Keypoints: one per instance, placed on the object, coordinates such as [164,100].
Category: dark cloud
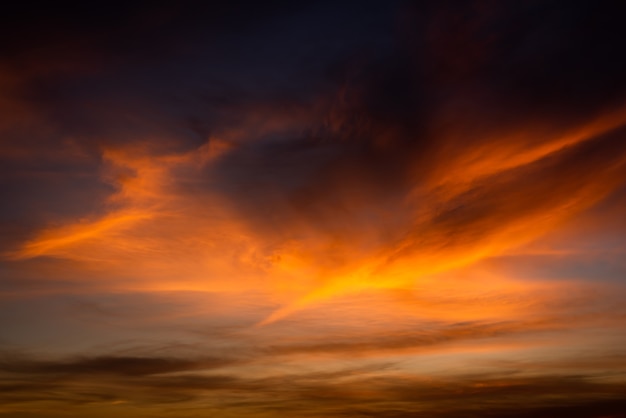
[485,67]
[349,392]
[458,76]
[116,366]
[79,79]
[424,339]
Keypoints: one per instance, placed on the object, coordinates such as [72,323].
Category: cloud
[114,366]
[421,204]
[425,159]
[350,392]
[426,340]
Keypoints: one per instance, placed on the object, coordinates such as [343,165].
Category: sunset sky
[316,209]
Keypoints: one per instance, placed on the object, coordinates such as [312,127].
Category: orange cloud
[486,202]
[481,207]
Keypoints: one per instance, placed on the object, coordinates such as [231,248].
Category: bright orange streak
[510,150]
[52,241]
[140,182]
[428,251]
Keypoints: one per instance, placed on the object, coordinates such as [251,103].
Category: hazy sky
[313,209]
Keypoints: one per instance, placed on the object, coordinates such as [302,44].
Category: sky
[313,209]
